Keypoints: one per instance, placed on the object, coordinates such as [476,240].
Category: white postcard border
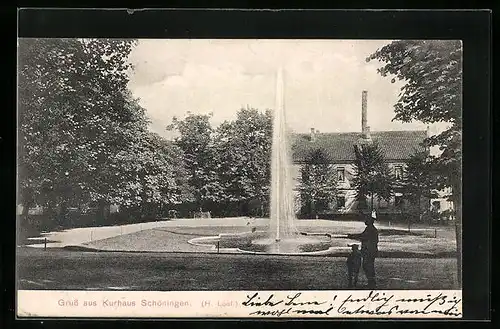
[385,304]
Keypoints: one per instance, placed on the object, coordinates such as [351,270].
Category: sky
[323,82]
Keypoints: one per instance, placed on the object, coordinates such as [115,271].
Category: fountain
[282,221]
[282,235]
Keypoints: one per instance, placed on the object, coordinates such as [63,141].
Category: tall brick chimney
[365,129]
[313,134]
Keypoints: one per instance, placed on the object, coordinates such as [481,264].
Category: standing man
[369,249]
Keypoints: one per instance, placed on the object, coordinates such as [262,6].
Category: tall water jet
[282,236]
[282,221]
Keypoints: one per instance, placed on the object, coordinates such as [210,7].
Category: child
[353,265]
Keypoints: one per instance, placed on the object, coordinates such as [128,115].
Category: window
[340,174]
[340,201]
[398,172]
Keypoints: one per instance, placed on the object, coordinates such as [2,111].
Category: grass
[174,238]
[64,270]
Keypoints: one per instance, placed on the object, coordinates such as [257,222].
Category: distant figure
[251,223]
[353,265]
[369,249]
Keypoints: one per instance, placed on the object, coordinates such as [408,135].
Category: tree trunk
[24,222]
[458,235]
[62,217]
[24,212]
[103,211]
[409,220]
[27,201]
[419,210]
[143,208]
[51,222]
[26,204]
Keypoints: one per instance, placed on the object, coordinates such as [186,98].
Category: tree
[372,176]
[73,118]
[317,182]
[151,176]
[418,182]
[432,72]
[243,156]
[195,140]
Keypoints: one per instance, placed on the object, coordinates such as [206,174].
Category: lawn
[72,270]
[174,237]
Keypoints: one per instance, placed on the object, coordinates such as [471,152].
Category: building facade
[397,147]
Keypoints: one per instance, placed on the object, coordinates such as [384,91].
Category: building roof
[339,147]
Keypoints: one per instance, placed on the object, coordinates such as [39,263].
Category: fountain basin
[228,240]
[260,243]
[295,244]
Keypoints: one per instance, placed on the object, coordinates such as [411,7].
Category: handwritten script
[358,304]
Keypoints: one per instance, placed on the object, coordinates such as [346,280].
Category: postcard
[239,178]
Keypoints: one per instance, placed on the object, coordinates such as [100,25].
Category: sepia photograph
[221,166]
